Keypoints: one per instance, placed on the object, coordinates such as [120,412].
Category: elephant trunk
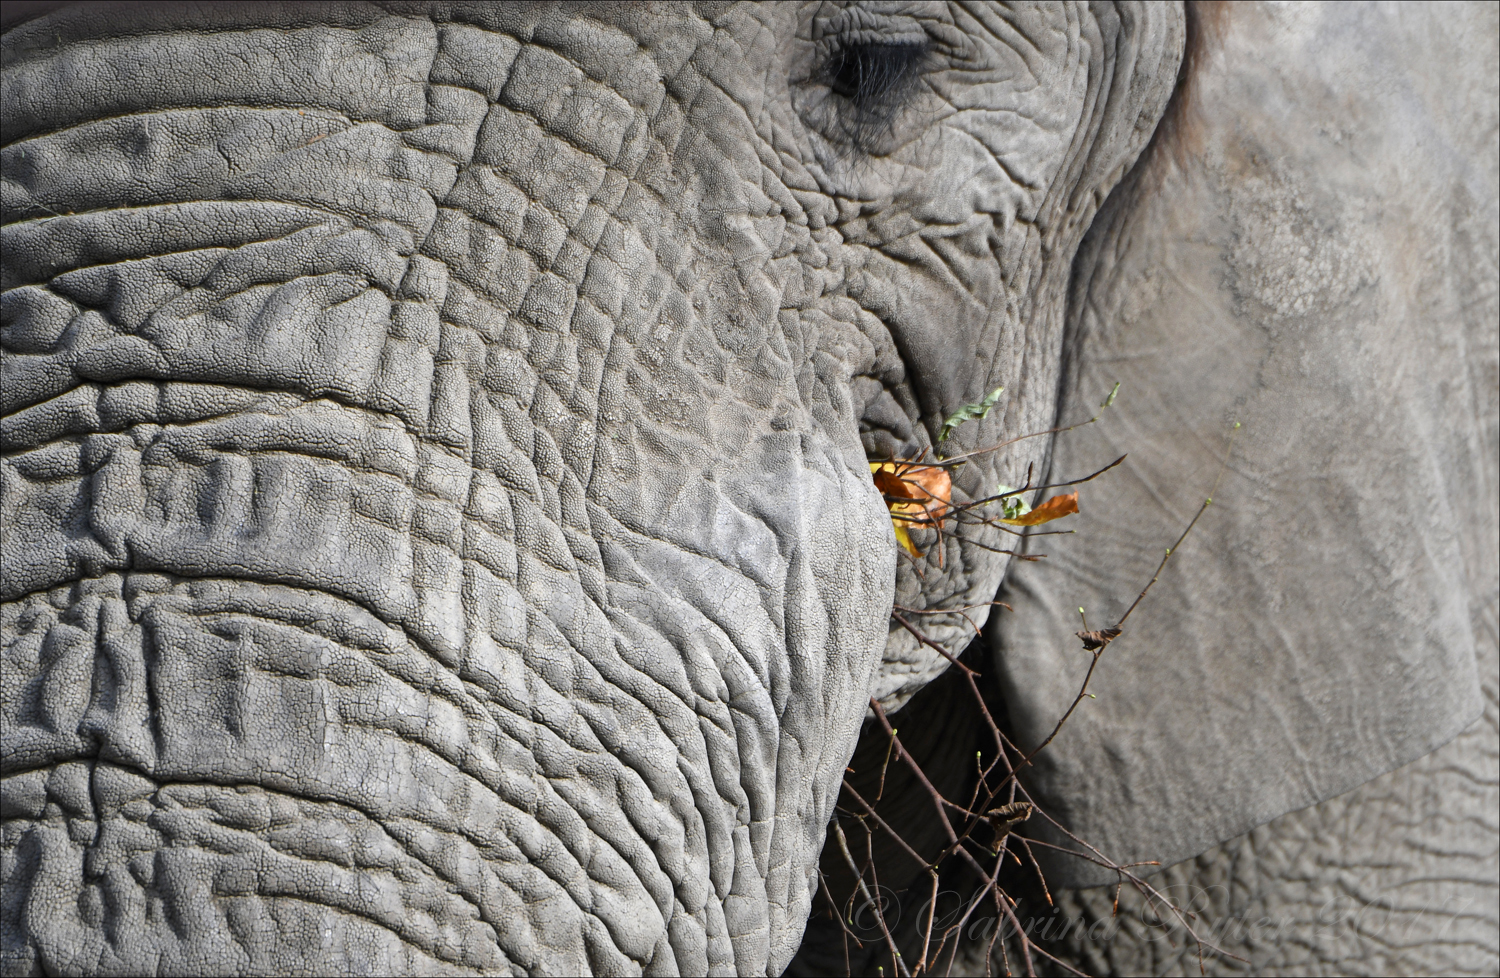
[398,578]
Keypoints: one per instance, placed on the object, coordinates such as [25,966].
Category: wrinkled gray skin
[1317,260]
[438,532]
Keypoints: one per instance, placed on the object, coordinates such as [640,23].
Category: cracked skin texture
[438,529]
[1312,251]
[435,458]
[1397,230]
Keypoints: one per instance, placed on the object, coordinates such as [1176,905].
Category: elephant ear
[19,11]
[1310,252]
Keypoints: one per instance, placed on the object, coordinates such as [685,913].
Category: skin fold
[439,532]
[435,470]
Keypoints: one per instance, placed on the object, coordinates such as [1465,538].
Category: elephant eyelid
[874,79]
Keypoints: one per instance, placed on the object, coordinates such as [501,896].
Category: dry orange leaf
[1054,508]
[917,495]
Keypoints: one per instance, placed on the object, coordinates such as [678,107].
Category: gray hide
[438,531]
[1316,261]
[1309,247]
[439,534]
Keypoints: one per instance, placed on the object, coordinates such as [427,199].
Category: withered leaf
[1054,508]
[1098,639]
[1007,817]
[921,493]
[904,538]
[917,495]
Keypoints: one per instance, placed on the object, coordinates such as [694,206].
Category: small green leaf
[1111,398]
[969,412]
[1015,506]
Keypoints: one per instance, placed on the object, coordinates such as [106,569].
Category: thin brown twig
[1001,550]
[1170,551]
[884,766]
[823,882]
[883,824]
[939,802]
[1026,844]
[859,880]
[1228,451]
[911,762]
[897,962]
[974,903]
[963,507]
[955,459]
[927,931]
[1145,888]
[1082,692]
[968,673]
[1010,915]
[950,611]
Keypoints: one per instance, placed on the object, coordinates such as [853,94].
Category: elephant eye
[874,79]
[875,74]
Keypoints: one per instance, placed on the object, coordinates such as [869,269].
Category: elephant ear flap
[1311,254]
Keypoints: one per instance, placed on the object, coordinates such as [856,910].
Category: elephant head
[439,526]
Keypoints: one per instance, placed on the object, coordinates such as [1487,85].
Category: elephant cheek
[311,740]
[311,661]
[323,650]
[366,607]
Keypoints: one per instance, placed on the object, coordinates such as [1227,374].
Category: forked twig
[859,879]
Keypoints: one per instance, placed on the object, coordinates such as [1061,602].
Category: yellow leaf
[904,538]
[1054,508]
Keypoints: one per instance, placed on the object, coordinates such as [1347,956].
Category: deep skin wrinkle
[445,431]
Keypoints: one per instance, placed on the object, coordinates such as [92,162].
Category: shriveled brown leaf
[1054,508]
[1098,639]
[917,495]
[1007,817]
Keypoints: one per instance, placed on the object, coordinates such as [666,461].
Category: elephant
[437,440]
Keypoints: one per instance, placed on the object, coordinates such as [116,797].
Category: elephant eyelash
[874,79]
